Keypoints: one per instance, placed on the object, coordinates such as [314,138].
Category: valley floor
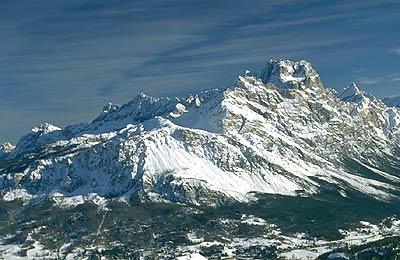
[274,227]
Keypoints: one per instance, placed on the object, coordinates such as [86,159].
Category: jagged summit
[6,148]
[352,93]
[282,133]
[349,91]
[288,74]
[45,128]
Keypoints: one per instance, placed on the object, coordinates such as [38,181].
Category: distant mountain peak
[349,91]
[352,93]
[45,128]
[353,87]
[6,148]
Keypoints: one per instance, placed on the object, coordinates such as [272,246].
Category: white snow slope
[281,133]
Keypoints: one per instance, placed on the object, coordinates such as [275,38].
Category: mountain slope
[282,133]
[392,101]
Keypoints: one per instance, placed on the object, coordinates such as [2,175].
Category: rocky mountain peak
[289,74]
[6,148]
[45,128]
[352,93]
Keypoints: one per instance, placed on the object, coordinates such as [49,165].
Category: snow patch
[194,256]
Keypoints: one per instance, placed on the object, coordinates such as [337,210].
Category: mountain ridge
[281,133]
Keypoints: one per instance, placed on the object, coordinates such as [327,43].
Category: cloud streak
[395,51]
[382,79]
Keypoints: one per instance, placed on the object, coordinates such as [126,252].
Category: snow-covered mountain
[392,101]
[353,94]
[281,133]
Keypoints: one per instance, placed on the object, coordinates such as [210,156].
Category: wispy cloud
[369,81]
[75,55]
[395,51]
[360,70]
[382,79]
[395,79]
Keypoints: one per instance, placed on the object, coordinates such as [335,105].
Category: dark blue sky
[62,60]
